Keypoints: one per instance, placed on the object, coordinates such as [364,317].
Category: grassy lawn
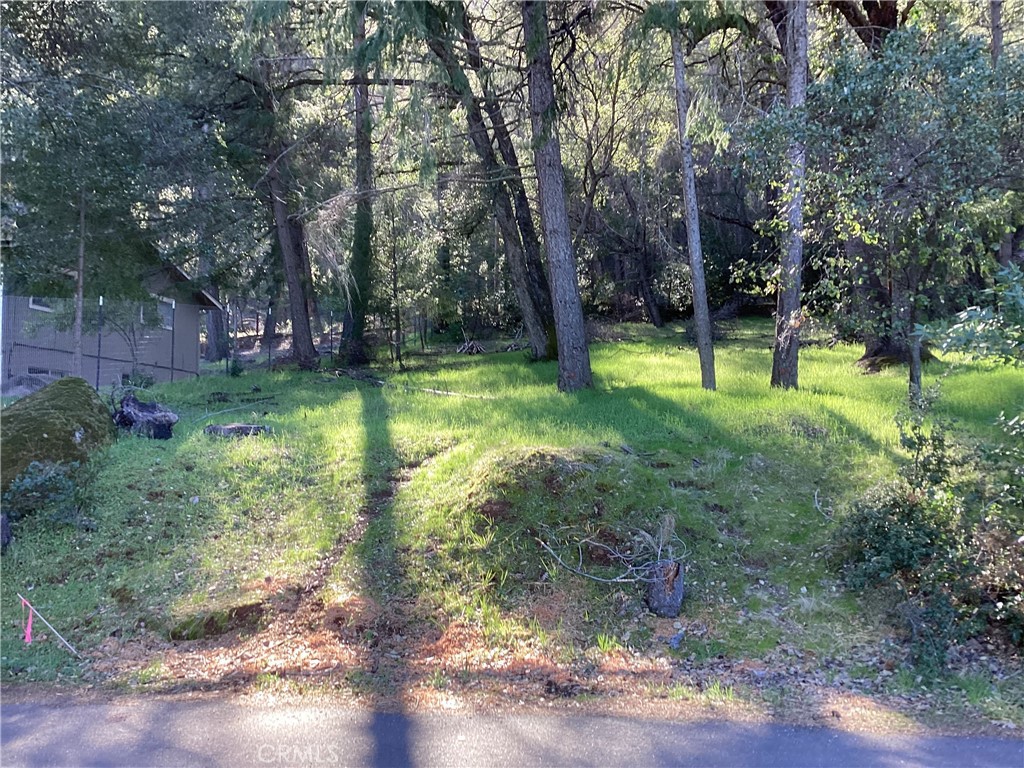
[439,492]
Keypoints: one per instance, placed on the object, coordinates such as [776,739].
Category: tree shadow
[383,575]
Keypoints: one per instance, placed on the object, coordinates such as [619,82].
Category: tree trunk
[1005,254]
[872,22]
[216,330]
[274,282]
[303,351]
[789,316]
[396,308]
[534,273]
[270,323]
[216,324]
[525,281]
[647,286]
[701,313]
[312,305]
[914,340]
[354,327]
[76,328]
[996,25]
[573,355]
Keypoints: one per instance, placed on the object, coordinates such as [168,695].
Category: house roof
[179,277]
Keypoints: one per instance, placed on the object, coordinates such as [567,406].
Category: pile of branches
[634,561]
[471,348]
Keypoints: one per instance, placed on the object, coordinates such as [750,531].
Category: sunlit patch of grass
[712,693]
[154,672]
[716,693]
[976,694]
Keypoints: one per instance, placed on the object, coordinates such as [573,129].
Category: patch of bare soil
[360,653]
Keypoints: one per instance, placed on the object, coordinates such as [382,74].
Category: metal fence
[143,341]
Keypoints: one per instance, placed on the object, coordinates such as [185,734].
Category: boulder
[147,419]
[63,422]
[665,589]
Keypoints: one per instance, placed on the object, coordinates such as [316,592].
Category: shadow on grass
[382,572]
[643,420]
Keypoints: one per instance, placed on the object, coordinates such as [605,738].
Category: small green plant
[138,379]
[154,672]
[235,368]
[267,681]
[717,693]
[438,680]
[607,643]
[976,688]
[681,692]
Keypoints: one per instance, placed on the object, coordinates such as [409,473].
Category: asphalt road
[149,732]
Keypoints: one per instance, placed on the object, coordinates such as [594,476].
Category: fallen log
[236,430]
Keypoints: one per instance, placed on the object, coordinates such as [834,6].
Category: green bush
[896,531]
[54,488]
[998,538]
[946,537]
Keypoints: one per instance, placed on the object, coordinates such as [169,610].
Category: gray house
[157,338]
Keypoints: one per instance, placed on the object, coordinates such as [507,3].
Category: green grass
[754,478]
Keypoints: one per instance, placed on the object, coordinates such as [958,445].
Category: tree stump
[147,419]
[665,589]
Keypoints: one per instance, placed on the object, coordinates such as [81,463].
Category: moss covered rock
[65,421]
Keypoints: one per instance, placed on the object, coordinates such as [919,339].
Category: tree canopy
[457,167]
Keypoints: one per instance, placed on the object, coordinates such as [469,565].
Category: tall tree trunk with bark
[396,306]
[76,328]
[915,356]
[312,305]
[354,327]
[573,355]
[701,313]
[214,319]
[216,330]
[216,323]
[534,272]
[275,281]
[872,21]
[521,243]
[303,351]
[996,24]
[785,356]
[646,280]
